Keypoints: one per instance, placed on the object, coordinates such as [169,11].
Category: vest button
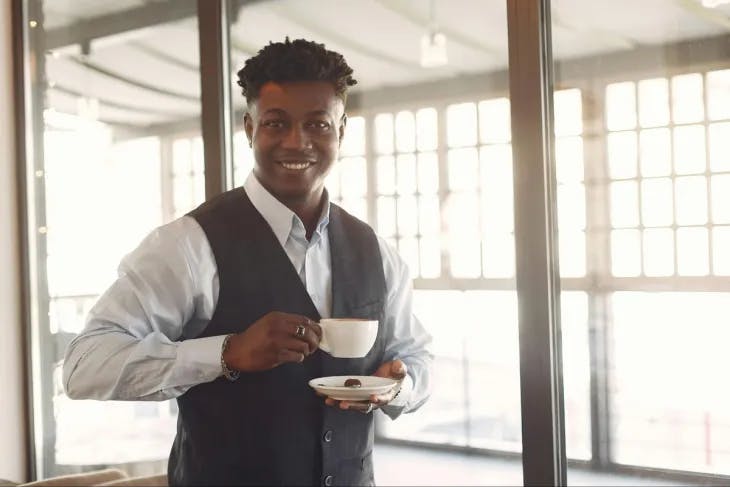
[328,436]
[329,480]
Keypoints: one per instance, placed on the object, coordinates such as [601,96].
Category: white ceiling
[379,38]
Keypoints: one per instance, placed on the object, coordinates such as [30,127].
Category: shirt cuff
[201,357]
[406,388]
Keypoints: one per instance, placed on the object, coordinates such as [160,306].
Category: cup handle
[323,342]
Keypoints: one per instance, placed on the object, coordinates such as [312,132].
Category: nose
[296,138]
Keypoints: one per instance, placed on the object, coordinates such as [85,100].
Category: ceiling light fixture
[433,43]
[714,3]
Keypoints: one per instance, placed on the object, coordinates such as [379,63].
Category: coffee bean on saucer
[355,383]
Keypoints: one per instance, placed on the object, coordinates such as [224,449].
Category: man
[220,307]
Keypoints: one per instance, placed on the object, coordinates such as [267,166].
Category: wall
[13,445]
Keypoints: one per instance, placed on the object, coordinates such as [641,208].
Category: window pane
[386,175]
[720,146]
[181,157]
[332,182]
[658,252]
[407,216]
[568,112]
[572,248]
[692,252]
[463,230]
[494,121]
[198,157]
[386,216]
[498,255]
[721,198]
[652,422]
[689,149]
[428,173]
[461,124]
[353,143]
[408,249]
[653,102]
[656,152]
[571,207]
[624,204]
[497,189]
[405,132]
[357,207]
[569,159]
[406,166]
[625,253]
[427,129]
[718,94]
[574,326]
[687,102]
[690,200]
[429,216]
[384,133]
[656,202]
[622,155]
[430,258]
[721,251]
[353,179]
[620,106]
[463,169]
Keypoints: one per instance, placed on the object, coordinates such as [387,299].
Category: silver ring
[300,330]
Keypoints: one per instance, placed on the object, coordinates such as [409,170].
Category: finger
[382,399]
[398,369]
[330,402]
[310,335]
[294,344]
[286,355]
[357,405]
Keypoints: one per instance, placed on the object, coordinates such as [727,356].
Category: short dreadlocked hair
[298,60]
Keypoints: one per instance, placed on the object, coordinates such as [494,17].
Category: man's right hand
[272,341]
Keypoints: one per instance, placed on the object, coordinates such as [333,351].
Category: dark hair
[298,60]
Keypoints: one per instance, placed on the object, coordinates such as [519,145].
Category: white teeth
[296,165]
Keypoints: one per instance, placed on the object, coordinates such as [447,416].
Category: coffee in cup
[348,337]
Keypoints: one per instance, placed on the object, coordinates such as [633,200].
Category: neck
[308,210]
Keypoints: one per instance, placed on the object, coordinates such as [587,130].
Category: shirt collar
[280,218]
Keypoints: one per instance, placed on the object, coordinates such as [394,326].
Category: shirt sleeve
[406,338]
[166,290]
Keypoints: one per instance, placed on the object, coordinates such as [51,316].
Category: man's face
[295,129]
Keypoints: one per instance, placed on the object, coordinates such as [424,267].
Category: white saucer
[334,387]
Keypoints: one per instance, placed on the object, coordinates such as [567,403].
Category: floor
[402,465]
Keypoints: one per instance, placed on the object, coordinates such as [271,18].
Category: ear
[248,127]
[343,124]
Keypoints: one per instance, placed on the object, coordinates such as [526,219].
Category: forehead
[299,97]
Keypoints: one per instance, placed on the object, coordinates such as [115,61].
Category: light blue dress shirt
[167,289]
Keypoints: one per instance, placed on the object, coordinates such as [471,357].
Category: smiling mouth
[295,165]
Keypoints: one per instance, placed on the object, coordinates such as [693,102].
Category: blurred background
[642,154]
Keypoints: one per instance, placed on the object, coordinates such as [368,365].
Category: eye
[319,125]
[273,123]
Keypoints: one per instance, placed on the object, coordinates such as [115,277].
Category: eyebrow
[279,111]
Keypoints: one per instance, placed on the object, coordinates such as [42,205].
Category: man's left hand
[396,370]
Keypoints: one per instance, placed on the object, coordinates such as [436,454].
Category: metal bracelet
[229,374]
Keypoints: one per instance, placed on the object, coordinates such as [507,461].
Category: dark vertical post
[538,284]
[30,87]
[215,84]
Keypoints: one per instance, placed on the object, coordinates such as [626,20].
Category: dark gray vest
[269,428]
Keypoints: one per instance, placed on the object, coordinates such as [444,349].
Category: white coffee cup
[348,337]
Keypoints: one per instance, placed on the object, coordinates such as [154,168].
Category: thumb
[398,369]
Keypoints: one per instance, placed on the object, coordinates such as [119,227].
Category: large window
[105,169]
[642,166]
